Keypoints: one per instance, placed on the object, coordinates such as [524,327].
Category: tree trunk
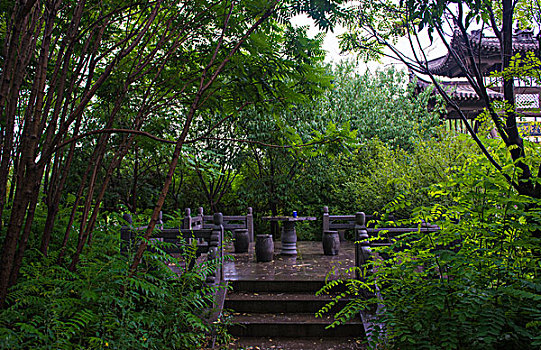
[525,184]
[55,192]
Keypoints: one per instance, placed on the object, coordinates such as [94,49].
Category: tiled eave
[487,47]
[459,90]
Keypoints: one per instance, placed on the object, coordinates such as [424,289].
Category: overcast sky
[330,44]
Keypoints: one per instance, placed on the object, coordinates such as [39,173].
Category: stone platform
[309,264]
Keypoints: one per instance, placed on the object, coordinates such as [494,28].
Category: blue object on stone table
[294,213]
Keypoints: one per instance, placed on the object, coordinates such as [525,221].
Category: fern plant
[99,307]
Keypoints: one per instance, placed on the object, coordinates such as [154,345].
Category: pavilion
[487,51]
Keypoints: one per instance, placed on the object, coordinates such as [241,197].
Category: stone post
[250,224]
[128,218]
[326,221]
[159,223]
[215,254]
[362,245]
[200,215]
[187,223]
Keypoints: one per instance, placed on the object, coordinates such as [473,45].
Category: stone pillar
[159,223]
[362,245]
[128,218]
[200,218]
[289,238]
[250,224]
[326,221]
[215,254]
[187,223]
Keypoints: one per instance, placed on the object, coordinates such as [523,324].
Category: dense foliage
[475,284]
[86,86]
[329,135]
[383,104]
[375,27]
[380,173]
[277,160]
[142,106]
[123,94]
[99,306]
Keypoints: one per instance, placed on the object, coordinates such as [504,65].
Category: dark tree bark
[40,130]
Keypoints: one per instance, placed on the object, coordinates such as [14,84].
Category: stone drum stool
[241,240]
[264,248]
[331,243]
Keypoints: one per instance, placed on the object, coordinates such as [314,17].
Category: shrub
[379,173]
[473,285]
[99,307]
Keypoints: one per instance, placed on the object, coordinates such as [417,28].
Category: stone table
[289,236]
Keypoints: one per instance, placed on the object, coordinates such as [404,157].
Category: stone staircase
[280,314]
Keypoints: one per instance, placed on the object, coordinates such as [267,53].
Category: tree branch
[171,142]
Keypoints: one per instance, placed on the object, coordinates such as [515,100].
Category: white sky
[330,44]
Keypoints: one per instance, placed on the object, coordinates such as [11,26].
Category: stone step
[277,286]
[299,325]
[312,343]
[264,302]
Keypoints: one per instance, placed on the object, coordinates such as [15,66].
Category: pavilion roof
[484,46]
[458,90]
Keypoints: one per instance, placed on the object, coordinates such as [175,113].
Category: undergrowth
[100,307]
[475,284]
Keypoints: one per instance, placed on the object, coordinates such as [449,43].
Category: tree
[377,25]
[106,72]
[357,108]
[431,287]
[380,104]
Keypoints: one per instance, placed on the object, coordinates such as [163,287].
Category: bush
[473,285]
[99,307]
[379,173]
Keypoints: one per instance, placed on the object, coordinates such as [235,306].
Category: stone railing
[209,241]
[230,222]
[363,243]
[339,222]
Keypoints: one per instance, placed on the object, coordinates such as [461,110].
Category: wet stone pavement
[309,264]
